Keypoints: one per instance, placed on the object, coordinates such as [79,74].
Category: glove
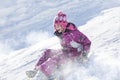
[84,53]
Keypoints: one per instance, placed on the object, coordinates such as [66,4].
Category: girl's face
[59,28]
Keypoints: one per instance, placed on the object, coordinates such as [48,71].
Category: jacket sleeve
[85,42]
[82,39]
[76,39]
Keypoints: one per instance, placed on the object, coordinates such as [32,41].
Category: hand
[84,53]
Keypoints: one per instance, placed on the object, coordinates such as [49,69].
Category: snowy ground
[103,31]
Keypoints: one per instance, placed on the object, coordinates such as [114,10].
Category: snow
[103,30]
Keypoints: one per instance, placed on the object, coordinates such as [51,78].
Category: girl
[74,45]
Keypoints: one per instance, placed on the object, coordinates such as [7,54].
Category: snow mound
[103,64]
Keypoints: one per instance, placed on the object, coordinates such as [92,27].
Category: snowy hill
[103,31]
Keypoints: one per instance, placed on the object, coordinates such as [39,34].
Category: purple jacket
[73,42]
[77,37]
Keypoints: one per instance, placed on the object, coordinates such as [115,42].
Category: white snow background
[26,29]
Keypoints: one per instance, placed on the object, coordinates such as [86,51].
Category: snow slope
[103,31]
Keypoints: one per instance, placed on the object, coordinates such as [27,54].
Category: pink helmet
[60,19]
